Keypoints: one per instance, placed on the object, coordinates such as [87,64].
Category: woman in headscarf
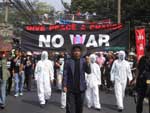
[44,74]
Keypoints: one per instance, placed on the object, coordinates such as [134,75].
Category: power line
[22,12]
[32,10]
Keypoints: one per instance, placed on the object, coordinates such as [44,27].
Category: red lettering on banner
[63,27]
[35,28]
[140,42]
[83,27]
[72,27]
[98,26]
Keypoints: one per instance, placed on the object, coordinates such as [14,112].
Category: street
[29,104]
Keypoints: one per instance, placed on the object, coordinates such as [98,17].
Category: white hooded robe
[120,72]
[93,82]
[44,73]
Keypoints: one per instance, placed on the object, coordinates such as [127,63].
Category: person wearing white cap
[120,72]
[44,73]
[93,81]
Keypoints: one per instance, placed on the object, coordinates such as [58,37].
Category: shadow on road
[110,106]
[34,103]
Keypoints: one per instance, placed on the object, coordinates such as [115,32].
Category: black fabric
[144,75]
[77,76]
[28,81]
[139,106]
[15,65]
[75,102]
[142,88]
[9,83]
[28,68]
[118,38]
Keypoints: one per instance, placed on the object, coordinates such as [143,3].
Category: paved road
[29,104]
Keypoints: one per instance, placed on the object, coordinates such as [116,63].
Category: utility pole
[6,11]
[119,12]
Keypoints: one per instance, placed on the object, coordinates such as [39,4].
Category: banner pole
[129,37]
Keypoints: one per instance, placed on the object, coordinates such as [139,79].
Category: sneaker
[42,105]
[97,109]
[2,107]
[46,101]
[89,107]
[16,95]
[120,110]
[63,107]
[21,94]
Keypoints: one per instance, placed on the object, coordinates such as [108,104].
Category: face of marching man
[76,53]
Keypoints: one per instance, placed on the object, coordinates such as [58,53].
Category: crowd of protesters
[109,70]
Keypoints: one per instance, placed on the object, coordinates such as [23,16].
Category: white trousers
[119,93]
[44,92]
[92,97]
[59,81]
[63,99]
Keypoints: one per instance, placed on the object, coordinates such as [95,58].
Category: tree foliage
[108,8]
[42,8]
[83,5]
[17,17]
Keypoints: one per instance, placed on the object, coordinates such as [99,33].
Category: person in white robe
[44,76]
[93,82]
[120,74]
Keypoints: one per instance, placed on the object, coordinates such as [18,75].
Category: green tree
[83,5]
[66,5]
[42,8]
[103,8]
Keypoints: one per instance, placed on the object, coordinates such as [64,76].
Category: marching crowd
[75,75]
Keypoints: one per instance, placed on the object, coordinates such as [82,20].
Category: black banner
[62,37]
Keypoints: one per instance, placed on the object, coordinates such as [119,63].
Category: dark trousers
[139,106]
[9,84]
[75,102]
[28,81]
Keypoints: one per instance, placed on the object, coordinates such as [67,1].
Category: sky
[55,3]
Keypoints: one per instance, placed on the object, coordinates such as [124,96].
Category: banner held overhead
[61,37]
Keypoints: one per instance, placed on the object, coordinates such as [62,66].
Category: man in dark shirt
[74,83]
[77,76]
[141,81]
[18,73]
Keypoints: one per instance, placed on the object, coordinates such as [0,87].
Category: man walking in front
[74,83]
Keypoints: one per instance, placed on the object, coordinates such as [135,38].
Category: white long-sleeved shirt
[121,71]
